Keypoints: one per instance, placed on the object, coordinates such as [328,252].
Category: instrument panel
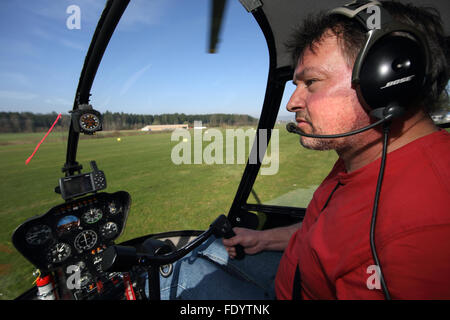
[72,236]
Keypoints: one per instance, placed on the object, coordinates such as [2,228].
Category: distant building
[164,127]
[198,125]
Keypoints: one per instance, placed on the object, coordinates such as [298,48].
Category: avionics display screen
[77,185]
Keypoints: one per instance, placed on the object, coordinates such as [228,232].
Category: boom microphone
[384,114]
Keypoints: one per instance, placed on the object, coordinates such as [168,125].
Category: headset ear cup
[392,71]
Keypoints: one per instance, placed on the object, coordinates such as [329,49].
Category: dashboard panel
[72,236]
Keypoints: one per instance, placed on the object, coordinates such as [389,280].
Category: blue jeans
[207,273]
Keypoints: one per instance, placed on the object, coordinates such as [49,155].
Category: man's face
[324,101]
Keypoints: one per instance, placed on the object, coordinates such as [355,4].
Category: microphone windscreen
[291,127]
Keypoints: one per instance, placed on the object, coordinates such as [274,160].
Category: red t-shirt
[412,235]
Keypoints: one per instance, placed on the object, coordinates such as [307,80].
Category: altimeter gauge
[59,252]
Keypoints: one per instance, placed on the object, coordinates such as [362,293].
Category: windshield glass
[155,76]
[178,179]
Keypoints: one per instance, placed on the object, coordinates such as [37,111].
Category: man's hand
[254,241]
[249,239]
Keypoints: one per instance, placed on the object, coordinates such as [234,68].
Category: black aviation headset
[389,73]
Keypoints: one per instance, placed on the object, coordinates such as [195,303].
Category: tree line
[11,122]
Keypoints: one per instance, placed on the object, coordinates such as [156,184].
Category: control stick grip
[240,253]
[221,227]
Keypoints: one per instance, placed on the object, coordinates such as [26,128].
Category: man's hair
[351,37]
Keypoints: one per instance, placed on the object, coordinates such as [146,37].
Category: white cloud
[60,102]
[15,78]
[56,10]
[58,37]
[41,33]
[72,44]
[19,47]
[17,95]
[138,12]
[144,12]
[132,80]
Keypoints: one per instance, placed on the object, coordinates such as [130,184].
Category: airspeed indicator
[92,215]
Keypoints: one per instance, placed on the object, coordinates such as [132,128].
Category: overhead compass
[86,120]
[89,122]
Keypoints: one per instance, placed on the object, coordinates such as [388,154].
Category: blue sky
[157,60]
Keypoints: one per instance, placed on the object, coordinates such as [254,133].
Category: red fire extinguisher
[46,288]
[129,292]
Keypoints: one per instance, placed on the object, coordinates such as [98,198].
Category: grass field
[165,196]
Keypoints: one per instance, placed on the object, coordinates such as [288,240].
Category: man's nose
[297,100]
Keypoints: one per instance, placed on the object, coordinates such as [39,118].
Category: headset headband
[356,10]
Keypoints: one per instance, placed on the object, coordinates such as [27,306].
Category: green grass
[165,196]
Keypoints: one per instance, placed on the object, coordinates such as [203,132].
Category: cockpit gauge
[90,122]
[109,230]
[86,120]
[80,266]
[59,252]
[113,209]
[85,240]
[85,280]
[91,216]
[38,234]
[67,223]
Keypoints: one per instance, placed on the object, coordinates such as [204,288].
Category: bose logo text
[396,82]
